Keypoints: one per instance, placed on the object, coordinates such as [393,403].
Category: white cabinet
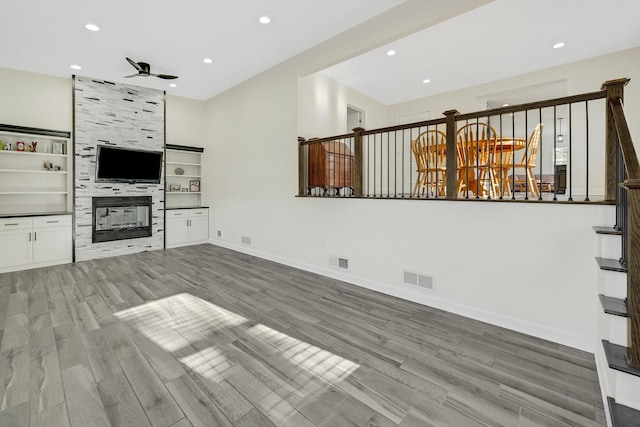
[36,179]
[183,176]
[187,227]
[30,242]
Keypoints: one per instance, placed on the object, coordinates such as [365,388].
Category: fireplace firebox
[119,218]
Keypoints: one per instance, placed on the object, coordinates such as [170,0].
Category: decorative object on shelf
[175,187]
[57,168]
[48,166]
[8,146]
[20,146]
[185,190]
[57,148]
[33,146]
[1,145]
[194,186]
[179,171]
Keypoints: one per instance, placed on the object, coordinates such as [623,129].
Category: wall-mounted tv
[115,164]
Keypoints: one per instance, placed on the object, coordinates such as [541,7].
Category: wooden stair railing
[618,133]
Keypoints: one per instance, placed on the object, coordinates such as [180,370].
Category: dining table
[486,161]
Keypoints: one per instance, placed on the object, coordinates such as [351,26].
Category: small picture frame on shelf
[185,190]
[194,186]
[174,187]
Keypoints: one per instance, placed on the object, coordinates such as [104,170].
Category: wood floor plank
[53,416]
[15,416]
[120,402]
[14,377]
[46,389]
[203,335]
[156,401]
[82,398]
[16,332]
[278,410]
[254,418]
[197,406]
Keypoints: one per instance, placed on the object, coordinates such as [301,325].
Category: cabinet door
[199,229]
[177,232]
[51,244]
[15,248]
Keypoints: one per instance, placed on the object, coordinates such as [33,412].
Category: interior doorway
[355,118]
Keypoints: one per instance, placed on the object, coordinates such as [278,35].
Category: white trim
[580,342]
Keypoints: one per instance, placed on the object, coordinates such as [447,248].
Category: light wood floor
[205,336]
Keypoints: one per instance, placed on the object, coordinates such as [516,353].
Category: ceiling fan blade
[165,76]
[133,75]
[135,64]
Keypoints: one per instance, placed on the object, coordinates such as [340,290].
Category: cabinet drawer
[198,212]
[182,213]
[15,223]
[52,221]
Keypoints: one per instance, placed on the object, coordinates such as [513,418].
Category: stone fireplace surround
[118,115]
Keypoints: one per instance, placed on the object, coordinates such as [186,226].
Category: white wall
[527,267]
[35,100]
[323,107]
[185,121]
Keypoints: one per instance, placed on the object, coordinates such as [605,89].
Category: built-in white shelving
[34,180]
[183,176]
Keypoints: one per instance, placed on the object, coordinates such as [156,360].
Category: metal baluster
[526,155]
[395,163]
[570,163]
[513,158]
[555,156]
[540,153]
[586,110]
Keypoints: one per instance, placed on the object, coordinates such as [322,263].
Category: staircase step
[611,264]
[607,230]
[623,416]
[617,358]
[615,306]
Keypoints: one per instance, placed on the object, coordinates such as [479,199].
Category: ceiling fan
[144,70]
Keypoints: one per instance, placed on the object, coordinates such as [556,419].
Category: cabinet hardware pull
[52,222]
[13,223]
[35,236]
[29,236]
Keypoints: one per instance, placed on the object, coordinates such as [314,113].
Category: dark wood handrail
[474,115]
[632,227]
[626,143]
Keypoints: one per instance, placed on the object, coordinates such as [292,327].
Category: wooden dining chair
[429,151]
[475,141]
[528,162]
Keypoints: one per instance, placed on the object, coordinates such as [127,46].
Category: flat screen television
[115,164]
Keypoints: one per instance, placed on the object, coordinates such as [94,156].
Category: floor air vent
[416,279]
[246,240]
[339,262]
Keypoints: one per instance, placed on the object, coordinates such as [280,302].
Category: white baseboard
[580,342]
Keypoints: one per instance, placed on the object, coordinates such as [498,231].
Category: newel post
[633,271]
[614,89]
[302,169]
[452,157]
[358,173]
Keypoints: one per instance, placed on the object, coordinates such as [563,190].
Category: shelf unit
[26,186]
[189,159]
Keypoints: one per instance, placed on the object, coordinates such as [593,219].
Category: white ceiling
[47,36]
[502,39]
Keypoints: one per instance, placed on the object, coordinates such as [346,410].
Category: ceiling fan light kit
[144,70]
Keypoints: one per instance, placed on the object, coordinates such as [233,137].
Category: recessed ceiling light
[264,19]
[76,67]
[92,27]
[207,60]
[558,45]
[505,105]
[391,52]
[426,81]
[173,85]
